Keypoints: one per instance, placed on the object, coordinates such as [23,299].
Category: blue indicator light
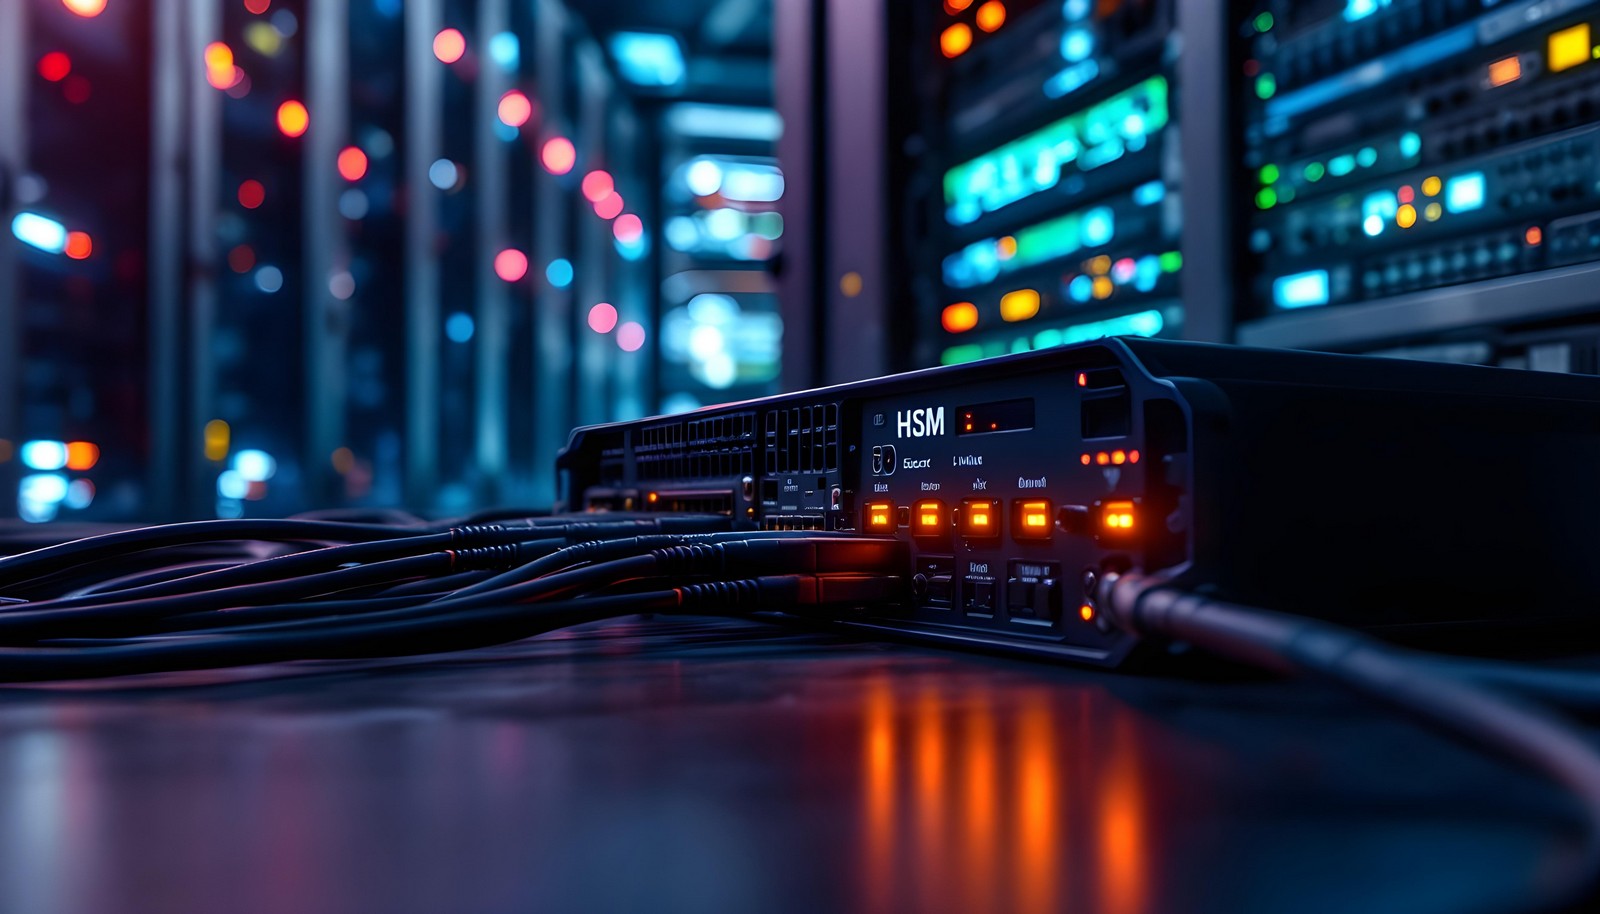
[45,234]
[648,58]
[1464,193]
[1076,45]
[559,272]
[459,327]
[1301,290]
[1150,193]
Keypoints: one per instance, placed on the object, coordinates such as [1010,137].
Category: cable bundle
[136,601]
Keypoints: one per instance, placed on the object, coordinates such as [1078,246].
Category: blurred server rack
[1045,176]
[1416,173]
[74,157]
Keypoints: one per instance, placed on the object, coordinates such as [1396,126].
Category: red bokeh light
[515,109]
[609,206]
[352,163]
[252,194]
[628,228]
[449,45]
[511,264]
[558,155]
[79,245]
[55,66]
[597,185]
[241,258]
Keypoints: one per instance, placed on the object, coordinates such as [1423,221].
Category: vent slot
[712,447]
[803,439]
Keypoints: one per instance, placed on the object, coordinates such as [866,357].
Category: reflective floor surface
[705,766]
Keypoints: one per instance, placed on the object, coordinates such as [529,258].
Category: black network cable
[1415,683]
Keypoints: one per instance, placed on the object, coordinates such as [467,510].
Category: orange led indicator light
[1118,515]
[1534,235]
[1083,379]
[1505,71]
[880,517]
[991,15]
[1085,459]
[1086,612]
[1119,457]
[1102,458]
[653,497]
[1033,520]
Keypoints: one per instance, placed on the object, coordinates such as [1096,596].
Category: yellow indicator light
[1117,516]
[217,439]
[1034,519]
[1505,71]
[1019,305]
[991,15]
[980,520]
[653,497]
[1119,457]
[1431,186]
[1568,47]
[1086,612]
[880,517]
[1008,247]
[1406,216]
[1100,265]
[1433,212]
[1102,287]
[955,40]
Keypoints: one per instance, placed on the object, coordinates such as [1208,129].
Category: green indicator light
[1368,156]
[956,355]
[1267,198]
[1266,86]
[1269,174]
[1263,22]
[1314,172]
[1171,262]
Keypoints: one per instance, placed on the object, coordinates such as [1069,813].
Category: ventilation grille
[713,447]
[803,439]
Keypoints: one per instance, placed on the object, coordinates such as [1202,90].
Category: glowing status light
[628,228]
[955,6]
[82,455]
[630,336]
[252,194]
[293,119]
[1150,193]
[1465,193]
[1269,174]
[220,71]
[79,245]
[459,327]
[603,318]
[1314,172]
[979,517]
[1568,48]
[1406,216]
[1033,519]
[1534,235]
[88,9]
[991,15]
[597,185]
[1339,166]
[515,109]
[1086,613]
[1098,226]
[443,174]
[1266,86]
[1118,458]
[1405,194]
[257,6]
[1077,45]
[1431,186]
[44,455]
[55,66]
[1361,9]
[1117,516]
[1262,22]
[44,233]
[609,206]
[880,517]
[217,438]
[558,155]
[1432,212]
[1301,290]
[928,518]
[1019,305]
[352,163]
[955,40]
[449,45]
[1505,70]
[559,273]
[959,317]
[254,465]
[1266,198]
[1410,147]
[648,58]
[511,264]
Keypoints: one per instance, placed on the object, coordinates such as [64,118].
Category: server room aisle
[684,765]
